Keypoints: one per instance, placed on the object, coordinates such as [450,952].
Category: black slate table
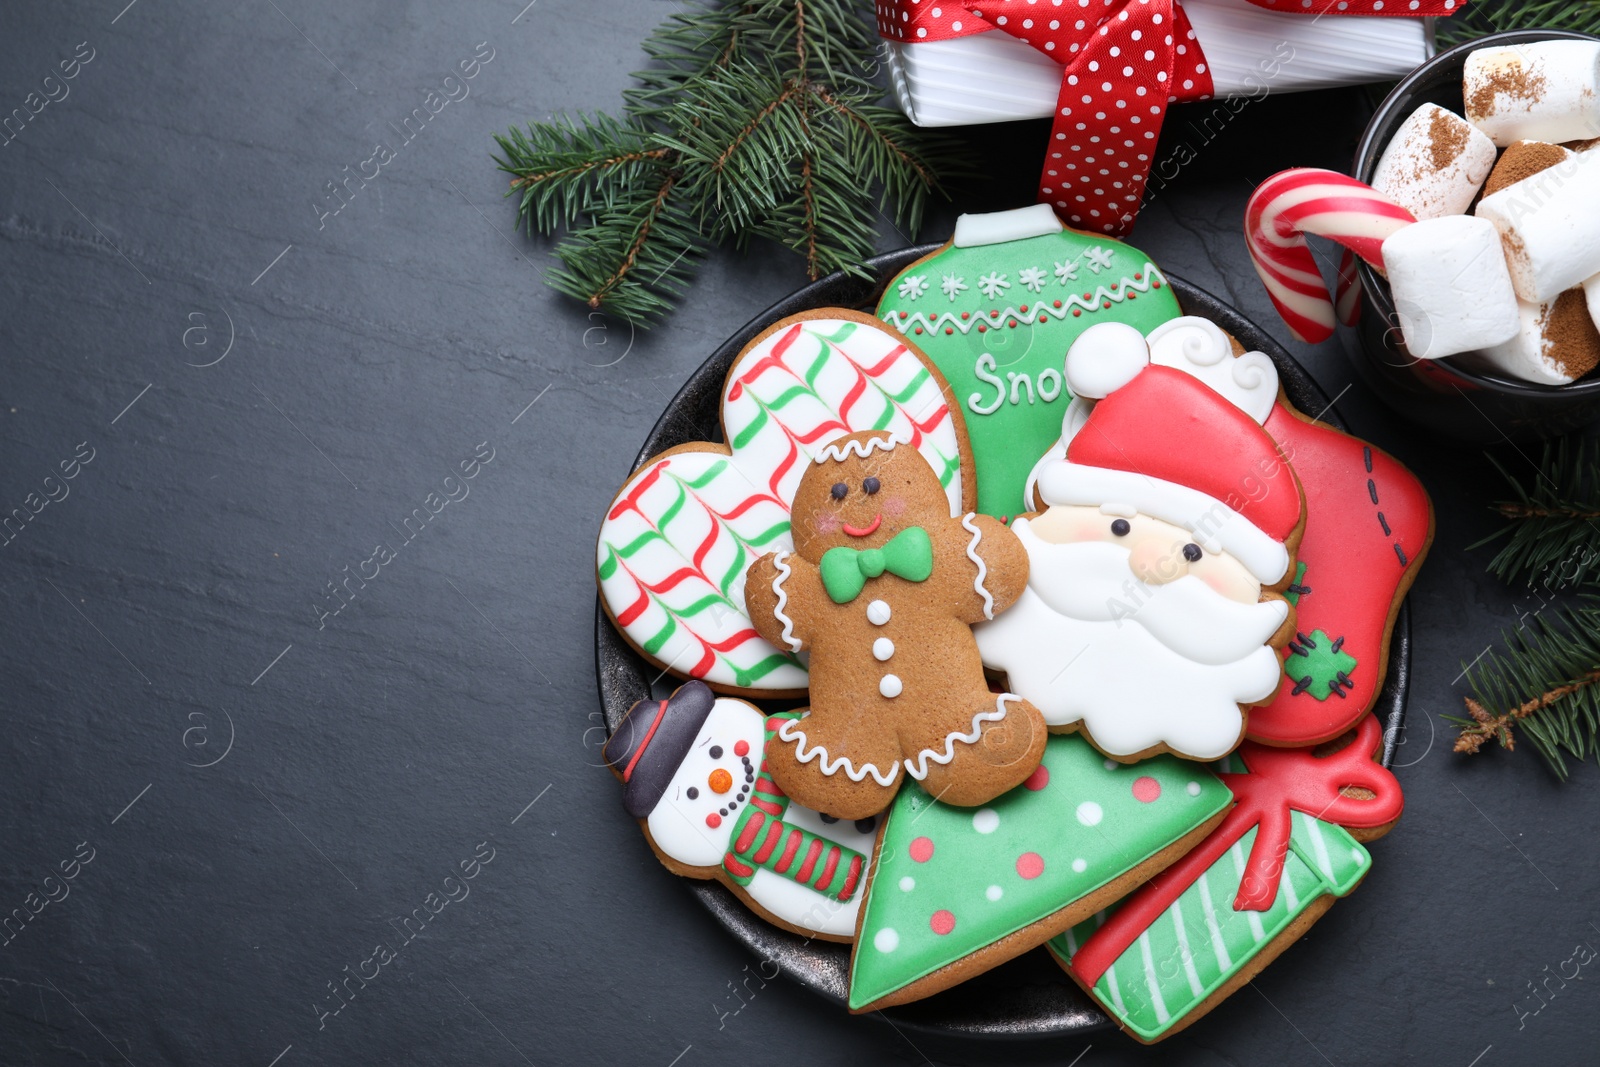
[257,768]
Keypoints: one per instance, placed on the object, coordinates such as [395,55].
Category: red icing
[942,922]
[741,748]
[1152,425]
[1030,865]
[1353,569]
[922,850]
[1280,781]
[809,864]
[1038,779]
[862,531]
[1146,789]
[713,820]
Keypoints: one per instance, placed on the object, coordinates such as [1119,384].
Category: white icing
[802,906]
[878,613]
[1080,865]
[1215,526]
[677,824]
[1084,644]
[907,884]
[986,821]
[998,227]
[1123,511]
[842,450]
[890,686]
[994,892]
[1040,311]
[791,732]
[1104,358]
[886,940]
[1089,813]
[917,766]
[970,526]
[882,649]
[1200,349]
[781,563]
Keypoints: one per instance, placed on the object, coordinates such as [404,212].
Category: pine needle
[1553,532]
[756,121]
[1480,19]
[1545,684]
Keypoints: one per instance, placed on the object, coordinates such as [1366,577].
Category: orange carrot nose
[720,781]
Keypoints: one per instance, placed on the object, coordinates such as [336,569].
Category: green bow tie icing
[845,571]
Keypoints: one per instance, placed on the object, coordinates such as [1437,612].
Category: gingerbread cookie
[882,589]
[1151,616]
[695,775]
[677,540]
[954,892]
[997,308]
[1175,949]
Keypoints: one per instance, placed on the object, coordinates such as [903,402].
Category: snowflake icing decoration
[1031,278]
[993,284]
[951,285]
[914,286]
[1066,272]
[1099,258]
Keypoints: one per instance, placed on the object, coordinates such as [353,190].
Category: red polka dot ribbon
[1125,61]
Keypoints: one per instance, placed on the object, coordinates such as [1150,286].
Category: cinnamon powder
[1518,84]
[1447,139]
[1522,160]
[1571,340]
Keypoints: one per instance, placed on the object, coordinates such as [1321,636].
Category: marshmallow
[1550,224]
[1591,291]
[1546,91]
[1523,160]
[1556,343]
[1434,164]
[1451,288]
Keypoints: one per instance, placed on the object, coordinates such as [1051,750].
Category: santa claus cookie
[695,775]
[1151,616]
[882,589]
[676,541]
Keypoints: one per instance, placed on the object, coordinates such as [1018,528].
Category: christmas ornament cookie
[694,774]
[954,892]
[997,308]
[678,538]
[882,589]
[1151,615]
[1212,920]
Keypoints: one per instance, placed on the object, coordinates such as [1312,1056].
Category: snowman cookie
[694,775]
[882,589]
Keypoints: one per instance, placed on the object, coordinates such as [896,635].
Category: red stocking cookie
[883,588]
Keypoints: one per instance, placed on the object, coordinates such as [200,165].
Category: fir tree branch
[1553,538]
[1483,17]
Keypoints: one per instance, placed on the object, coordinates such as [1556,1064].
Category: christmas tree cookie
[956,891]
[677,540]
[1210,922]
[996,310]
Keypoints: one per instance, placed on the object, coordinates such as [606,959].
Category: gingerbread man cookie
[882,589]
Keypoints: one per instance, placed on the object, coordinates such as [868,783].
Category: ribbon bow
[1125,60]
[1281,780]
[845,571]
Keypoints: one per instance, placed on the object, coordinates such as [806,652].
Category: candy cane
[1293,203]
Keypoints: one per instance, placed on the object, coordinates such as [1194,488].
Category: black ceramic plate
[1026,997]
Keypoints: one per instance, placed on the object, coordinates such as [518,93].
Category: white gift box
[994,77]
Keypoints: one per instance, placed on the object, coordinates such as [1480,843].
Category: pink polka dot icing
[1038,779]
[1146,789]
[1030,865]
[922,849]
[942,922]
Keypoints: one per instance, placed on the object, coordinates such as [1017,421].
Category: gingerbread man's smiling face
[861,491]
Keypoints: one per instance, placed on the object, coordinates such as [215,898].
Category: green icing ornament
[996,311]
[1319,665]
[1200,942]
[951,885]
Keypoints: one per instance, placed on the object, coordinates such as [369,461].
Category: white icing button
[886,940]
[1193,788]
[986,821]
[882,649]
[890,686]
[1112,764]
[1080,865]
[878,613]
[994,892]
[907,884]
[1089,813]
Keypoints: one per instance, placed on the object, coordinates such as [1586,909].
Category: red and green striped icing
[675,545]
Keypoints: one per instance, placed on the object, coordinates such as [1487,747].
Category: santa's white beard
[1140,665]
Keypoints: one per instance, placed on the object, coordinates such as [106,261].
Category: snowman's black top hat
[651,742]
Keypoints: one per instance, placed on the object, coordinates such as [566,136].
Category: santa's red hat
[1160,442]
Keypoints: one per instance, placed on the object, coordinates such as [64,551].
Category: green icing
[1201,942]
[1007,379]
[950,881]
[1319,665]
